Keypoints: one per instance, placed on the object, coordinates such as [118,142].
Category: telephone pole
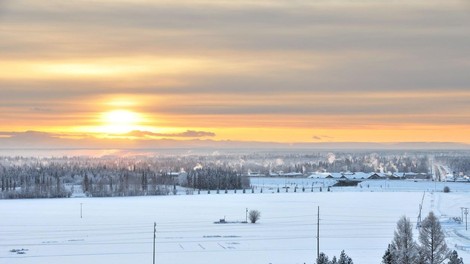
[461,210]
[318,233]
[154,236]
[418,224]
[81,207]
[466,215]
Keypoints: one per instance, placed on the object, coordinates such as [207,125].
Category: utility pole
[466,215]
[81,207]
[154,236]
[246,215]
[318,233]
[461,210]
[418,225]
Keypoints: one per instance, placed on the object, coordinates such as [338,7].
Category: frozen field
[120,230]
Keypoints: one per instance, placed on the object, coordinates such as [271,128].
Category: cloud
[39,135]
[30,134]
[187,133]
[322,137]
[41,109]
[302,61]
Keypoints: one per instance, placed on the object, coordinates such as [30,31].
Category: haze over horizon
[102,72]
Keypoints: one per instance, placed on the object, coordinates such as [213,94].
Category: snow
[360,220]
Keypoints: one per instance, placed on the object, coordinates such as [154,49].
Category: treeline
[339,162]
[32,186]
[216,178]
[375,163]
[343,259]
[107,177]
[457,163]
[127,183]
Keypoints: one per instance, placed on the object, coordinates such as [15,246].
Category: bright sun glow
[120,121]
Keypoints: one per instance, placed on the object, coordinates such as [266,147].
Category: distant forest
[26,177]
[47,178]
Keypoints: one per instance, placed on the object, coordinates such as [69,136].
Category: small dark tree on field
[254,216]
[454,258]
[446,189]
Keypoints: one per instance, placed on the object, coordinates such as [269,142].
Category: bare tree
[254,216]
[433,246]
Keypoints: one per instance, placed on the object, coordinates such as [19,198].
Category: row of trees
[32,186]
[128,183]
[339,162]
[215,178]
[52,178]
[431,249]
[343,259]
[457,163]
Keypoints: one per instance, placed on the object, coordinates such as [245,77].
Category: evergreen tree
[421,259]
[433,245]
[344,259]
[334,261]
[454,258]
[86,184]
[322,259]
[404,249]
[387,257]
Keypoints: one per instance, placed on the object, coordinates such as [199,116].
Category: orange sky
[277,71]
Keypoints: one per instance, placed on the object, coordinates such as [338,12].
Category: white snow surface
[360,220]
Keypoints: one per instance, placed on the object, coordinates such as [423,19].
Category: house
[375,176]
[293,174]
[320,175]
[181,176]
[255,174]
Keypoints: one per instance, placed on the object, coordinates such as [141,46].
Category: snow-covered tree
[433,246]
[387,257]
[454,258]
[404,249]
[323,259]
[333,260]
[344,259]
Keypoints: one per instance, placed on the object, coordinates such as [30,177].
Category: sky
[269,70]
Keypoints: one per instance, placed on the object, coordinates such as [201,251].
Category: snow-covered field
[360,220]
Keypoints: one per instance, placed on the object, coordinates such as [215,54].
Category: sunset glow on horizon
[275,71]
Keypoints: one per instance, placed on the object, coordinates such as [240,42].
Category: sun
[120,121]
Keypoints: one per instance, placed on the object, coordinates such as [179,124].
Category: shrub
[446,189]
[254,216]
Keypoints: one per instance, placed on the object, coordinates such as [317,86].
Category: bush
[446,189]
[254,216]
